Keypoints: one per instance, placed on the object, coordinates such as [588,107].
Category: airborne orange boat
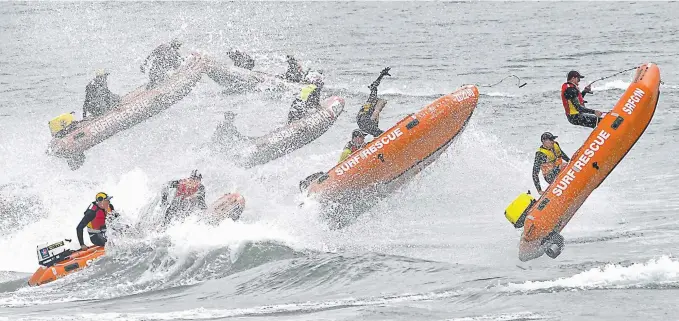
[608,144]
[399,153]
[135,107]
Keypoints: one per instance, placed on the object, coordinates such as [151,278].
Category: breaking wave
[662,272]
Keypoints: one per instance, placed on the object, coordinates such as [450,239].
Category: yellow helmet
[102,196]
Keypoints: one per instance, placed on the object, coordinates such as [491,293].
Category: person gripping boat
[132,109]
[368,116]
[95,220]
[189,195]
[549,159]
[98,98]
[574,102]
[368,174]
[544,219]
[164,58]
[309,98]
[57,260]
[357,142]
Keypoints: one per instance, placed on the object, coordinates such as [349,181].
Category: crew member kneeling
[164,58]
[548,159]
[309,99]
[95,220]
[98,98]
[357,142]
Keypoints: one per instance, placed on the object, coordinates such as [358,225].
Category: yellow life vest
[553,159]
[349,149]
[369,108]
[345,153]
[366,109]
[515,212]
[306,92]
[60,123]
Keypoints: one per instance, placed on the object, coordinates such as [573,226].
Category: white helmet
[314,77]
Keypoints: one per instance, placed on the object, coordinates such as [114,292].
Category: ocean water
[439,249]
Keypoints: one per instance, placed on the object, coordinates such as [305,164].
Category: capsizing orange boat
[56,262]
[399,153]
[608,144]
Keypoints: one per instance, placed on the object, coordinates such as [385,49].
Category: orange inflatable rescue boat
[71,139]
[228,206]
[399,153]
[56,262]
[616,133]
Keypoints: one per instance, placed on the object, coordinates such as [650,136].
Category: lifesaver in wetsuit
[568,106]
[98,224]
[516,211]
[553,164]
[301,100]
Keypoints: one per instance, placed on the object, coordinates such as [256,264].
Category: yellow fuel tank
[515,212]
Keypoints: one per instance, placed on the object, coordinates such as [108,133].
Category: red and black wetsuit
[574,106]
[188,196]
[95,221]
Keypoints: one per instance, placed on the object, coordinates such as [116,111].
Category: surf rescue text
[372,148]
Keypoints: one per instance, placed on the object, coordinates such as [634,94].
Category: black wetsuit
[294,72]
[585,116]
[166,59]
[98,239]
[363,118]
[242,60]
[98,99]
[541,158]
[301,108]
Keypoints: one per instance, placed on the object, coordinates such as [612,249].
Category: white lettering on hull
[633,100]
[580,163]
[372,148]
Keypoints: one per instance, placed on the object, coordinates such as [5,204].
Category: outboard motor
[49,255]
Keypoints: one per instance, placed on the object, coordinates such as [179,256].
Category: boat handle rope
[503,79]
[613,75]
